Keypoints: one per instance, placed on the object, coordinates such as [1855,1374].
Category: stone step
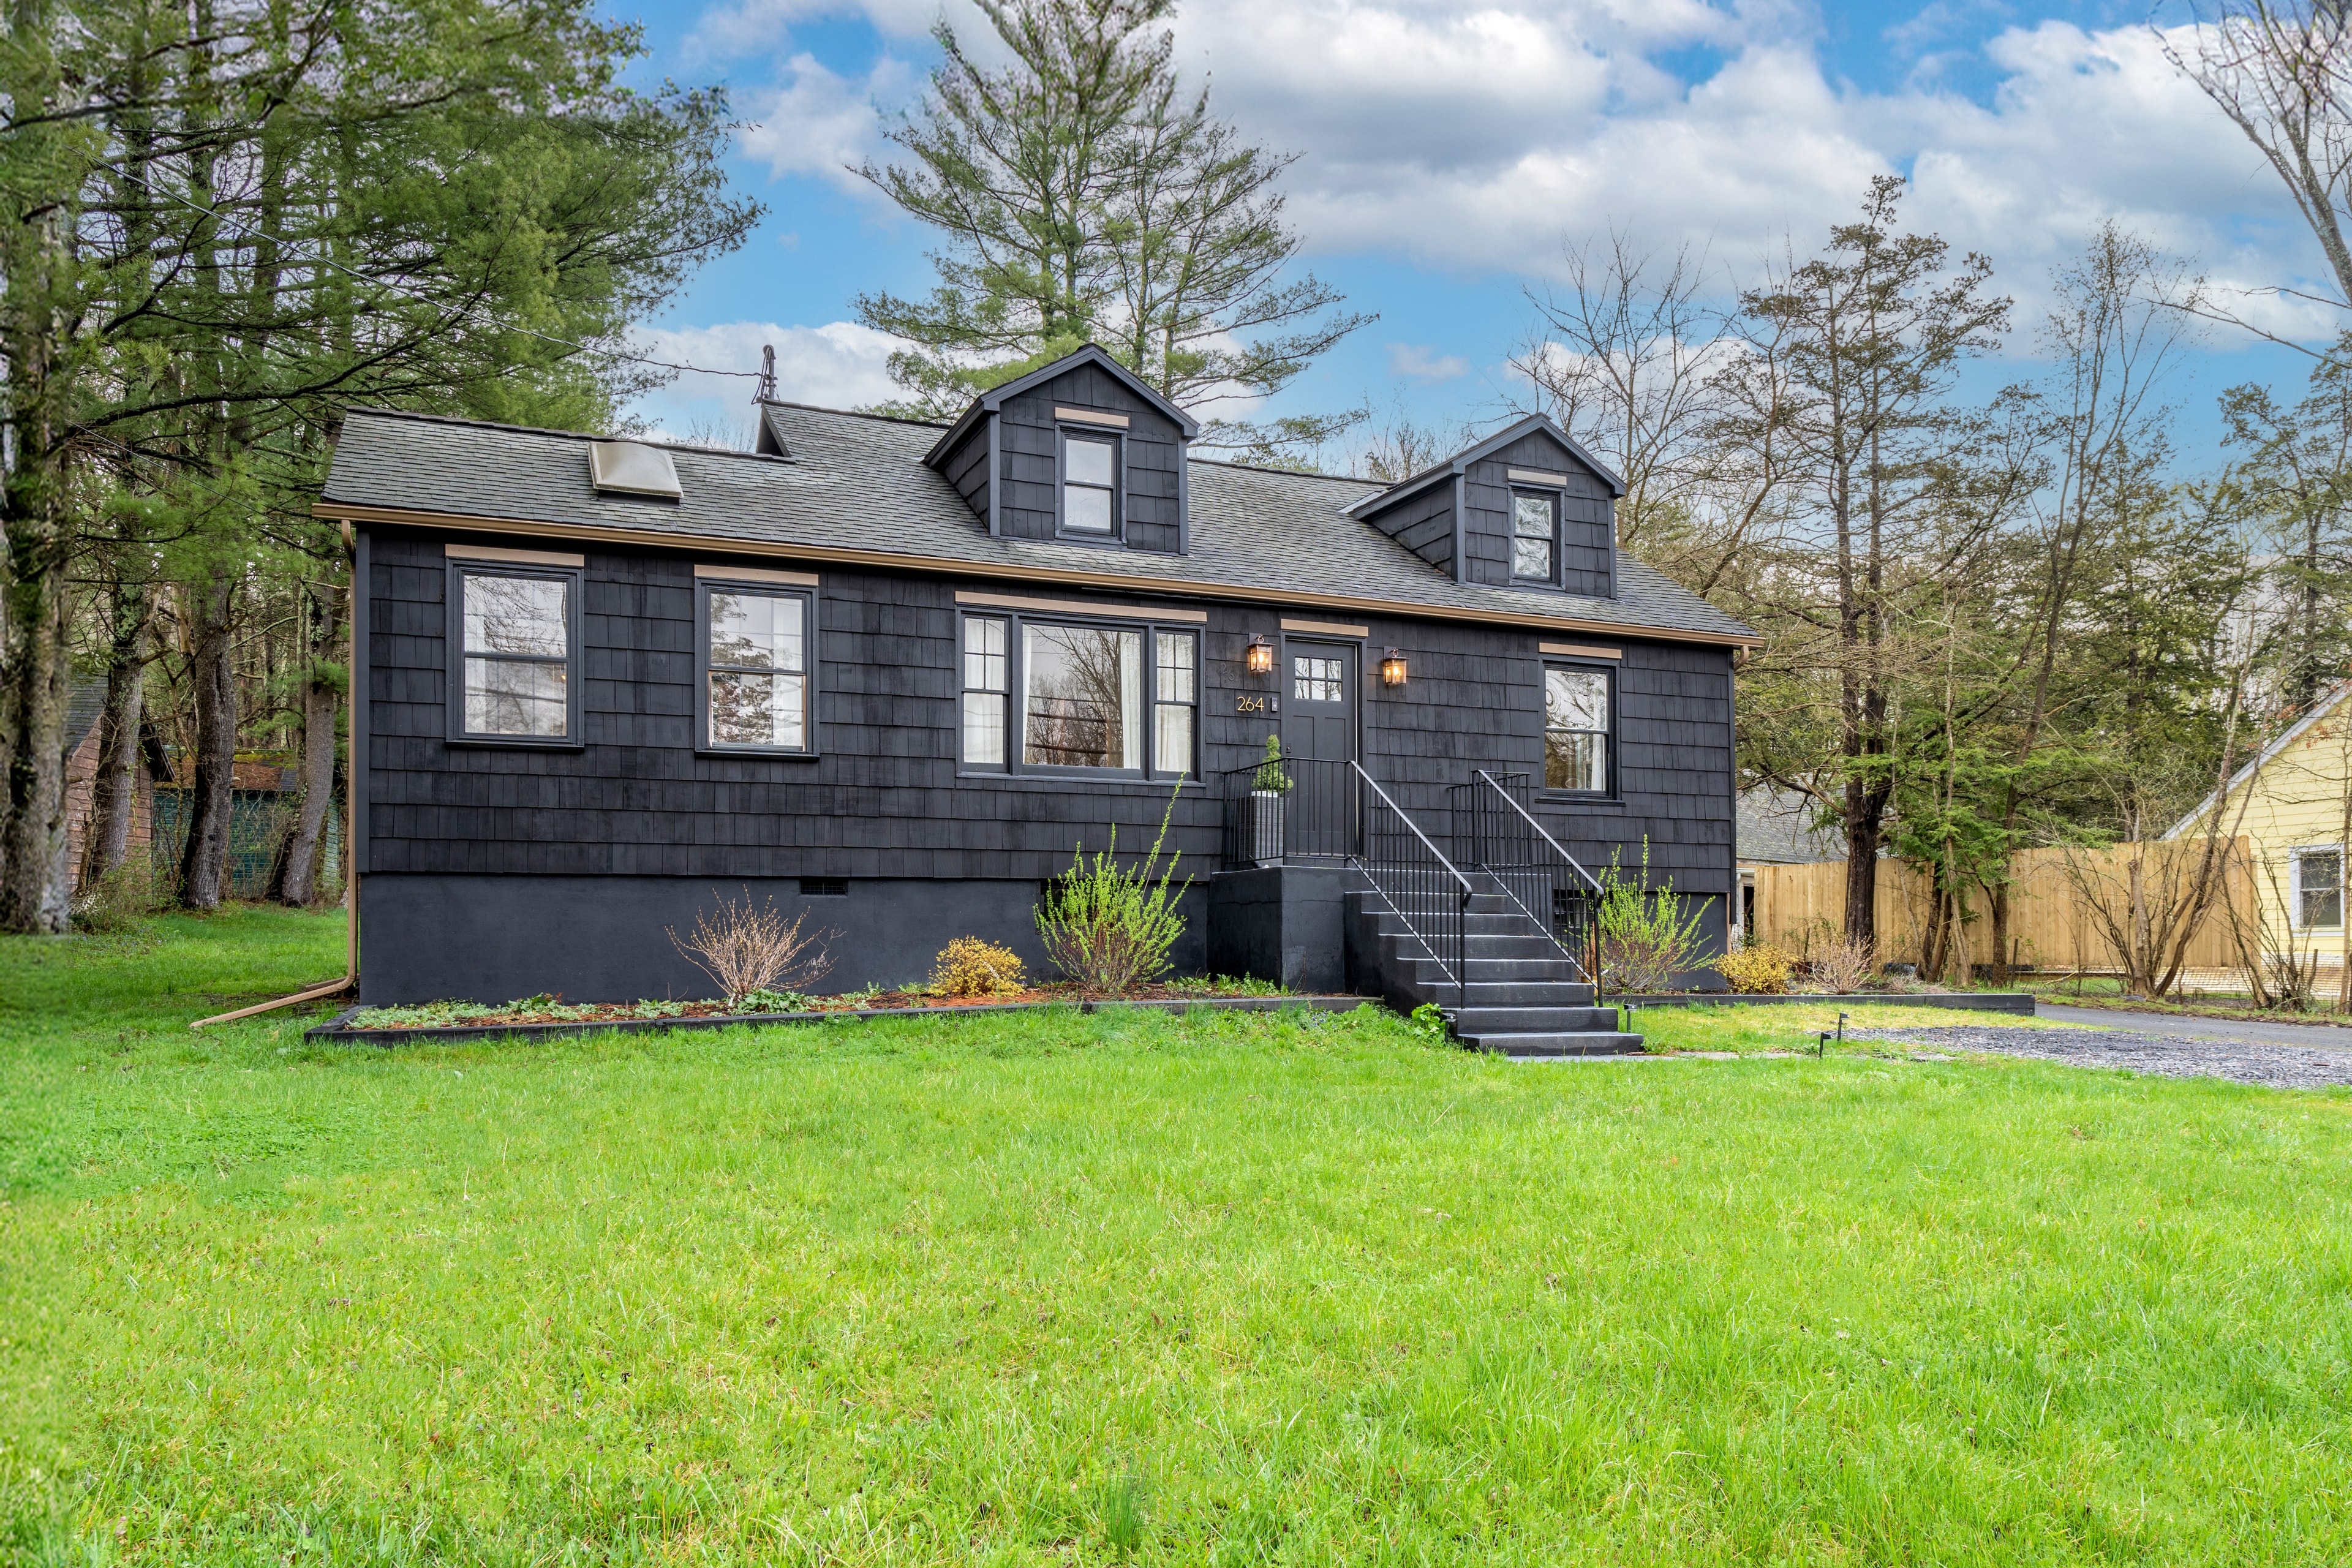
[1477,947]
[1477,1020]
[1388,922]
[1531,1045]
[1409,965]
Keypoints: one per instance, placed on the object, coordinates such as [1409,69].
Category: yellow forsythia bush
[971,967]
[1760,968]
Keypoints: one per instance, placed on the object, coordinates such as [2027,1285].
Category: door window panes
[1082,697]
[758,670]
[1316,679]
[518,651]
[2319,888]
[1576,729]
[984,672]
[1535,529]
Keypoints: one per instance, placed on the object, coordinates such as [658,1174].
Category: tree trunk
[33,849]
[1996,912]
[211,794]
[298,881]
[115,794]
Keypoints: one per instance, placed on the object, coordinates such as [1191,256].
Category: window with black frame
[987,666]
[1044,697]
[1090,485]
[1576,729]
[755,669]
[515,632]
[1535,536]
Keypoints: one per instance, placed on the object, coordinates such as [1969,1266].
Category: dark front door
[1318,736]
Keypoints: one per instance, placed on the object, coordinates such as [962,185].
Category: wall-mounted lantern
[1392,668]
[1260,658]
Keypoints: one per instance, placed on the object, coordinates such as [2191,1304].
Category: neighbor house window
[1089,485]
[516,633]
[1081,697]
[755,669]
[2319,887]
[1175,701]
[985,668]
[1535,536]
[1576,729]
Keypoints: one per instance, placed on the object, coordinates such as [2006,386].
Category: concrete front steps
[1522,997]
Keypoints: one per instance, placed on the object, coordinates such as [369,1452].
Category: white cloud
[1420,363]
[839,365]
[812,121]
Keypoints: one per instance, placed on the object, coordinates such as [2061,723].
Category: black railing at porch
[1416,881]
[1493,832]
[1289,810]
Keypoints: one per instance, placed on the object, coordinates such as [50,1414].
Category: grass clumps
[972,967]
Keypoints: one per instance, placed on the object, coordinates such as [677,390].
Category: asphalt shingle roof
[857,483]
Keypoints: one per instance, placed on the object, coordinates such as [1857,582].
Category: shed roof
[855,489]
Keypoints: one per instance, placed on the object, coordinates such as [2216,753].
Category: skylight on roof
[628,468]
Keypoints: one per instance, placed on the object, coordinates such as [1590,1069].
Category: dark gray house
[894,673]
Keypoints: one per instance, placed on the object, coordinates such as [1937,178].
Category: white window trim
[2294,855]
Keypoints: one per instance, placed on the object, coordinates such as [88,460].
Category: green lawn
[1067,1289]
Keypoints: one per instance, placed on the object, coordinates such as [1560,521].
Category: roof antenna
[766,391]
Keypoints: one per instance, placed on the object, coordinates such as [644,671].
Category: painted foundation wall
[491,938]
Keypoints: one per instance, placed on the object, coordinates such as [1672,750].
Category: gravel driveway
[2248,1061]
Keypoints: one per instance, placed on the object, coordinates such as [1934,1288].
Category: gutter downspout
[350,838]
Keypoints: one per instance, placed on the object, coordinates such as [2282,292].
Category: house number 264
[1259,704]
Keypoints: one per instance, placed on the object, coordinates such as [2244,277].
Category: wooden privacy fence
[2053,924]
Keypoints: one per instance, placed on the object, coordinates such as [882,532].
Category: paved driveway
[2325,1037]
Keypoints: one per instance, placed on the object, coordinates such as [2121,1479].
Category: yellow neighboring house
[2290,805]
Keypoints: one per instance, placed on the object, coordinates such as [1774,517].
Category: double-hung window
[1089,485]
[1046,697]
[2319,887]
[1535,536]
[517,635]
[1576,730]
[755,658]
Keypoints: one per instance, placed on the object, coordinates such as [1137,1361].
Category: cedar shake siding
[497,870]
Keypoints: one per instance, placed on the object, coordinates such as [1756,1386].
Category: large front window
[756,658]
[517,657]
[1082,697]
[1043,696]
[1576,729]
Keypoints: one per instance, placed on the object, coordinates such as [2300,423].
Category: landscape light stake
[1822,1049]
[1842,1019]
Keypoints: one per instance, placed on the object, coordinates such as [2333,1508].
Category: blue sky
[1447,153]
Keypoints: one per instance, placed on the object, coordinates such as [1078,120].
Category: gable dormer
[1081,451]
[1525,508]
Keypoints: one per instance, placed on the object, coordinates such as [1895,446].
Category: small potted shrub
[1271,783]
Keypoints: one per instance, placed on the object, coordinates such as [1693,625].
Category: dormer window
[1090,485]
[1535,536]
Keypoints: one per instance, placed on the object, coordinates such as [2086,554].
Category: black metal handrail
[1493,832]
[1419,884]
[1308,816]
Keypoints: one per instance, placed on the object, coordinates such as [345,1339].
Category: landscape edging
[2017,1002]
[337,1029]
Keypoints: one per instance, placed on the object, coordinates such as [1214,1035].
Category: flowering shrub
[971,967]
[1758,968]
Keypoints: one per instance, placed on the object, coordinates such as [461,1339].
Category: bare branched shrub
[1840,964]
[744,948]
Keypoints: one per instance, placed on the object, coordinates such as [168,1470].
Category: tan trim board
[1089,416]
[643,539]
[755,574]
[1538,476]
[1333,628]
[1079,606]
[1581,648]
[515,557]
